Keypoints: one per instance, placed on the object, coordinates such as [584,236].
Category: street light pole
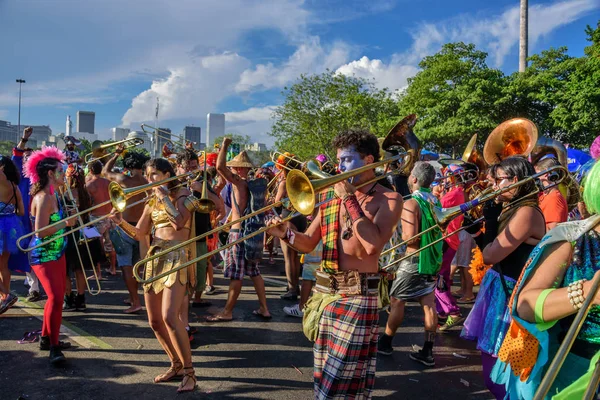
[20,82]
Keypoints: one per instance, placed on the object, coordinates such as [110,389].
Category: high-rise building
[86,121]
[8,132]
[119,133]
[193,134]
[215,127]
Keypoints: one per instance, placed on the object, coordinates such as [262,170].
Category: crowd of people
[365,248]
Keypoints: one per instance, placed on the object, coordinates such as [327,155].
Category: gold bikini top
[159,216]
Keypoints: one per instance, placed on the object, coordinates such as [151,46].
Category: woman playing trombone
[45,170]
[166,215]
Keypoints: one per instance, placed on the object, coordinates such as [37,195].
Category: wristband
[539,306]
[170,209]
[353,208]
[24,140]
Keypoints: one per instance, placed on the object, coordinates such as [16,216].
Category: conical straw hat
[242,160]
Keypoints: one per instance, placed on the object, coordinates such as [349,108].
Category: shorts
[127,249]
[309,271]
[73,262]
[464,254]
[104,226]
[409,283]
[201,249]
[236,265]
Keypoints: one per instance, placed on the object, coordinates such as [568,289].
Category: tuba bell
[516,136]
[402,135]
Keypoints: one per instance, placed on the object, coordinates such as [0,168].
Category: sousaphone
[516,136]
[402,135]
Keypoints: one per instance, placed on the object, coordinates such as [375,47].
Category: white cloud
[310,57]
[497,34]
[392,76]
[251,114]
[189,90]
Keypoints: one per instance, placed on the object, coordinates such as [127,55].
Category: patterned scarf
[430,259]
[330,228]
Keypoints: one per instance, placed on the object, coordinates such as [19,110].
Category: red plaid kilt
[345,351]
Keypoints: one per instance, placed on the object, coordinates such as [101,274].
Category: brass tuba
[402,135]
[516,136]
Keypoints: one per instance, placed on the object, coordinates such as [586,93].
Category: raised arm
[222,163]
[107,170]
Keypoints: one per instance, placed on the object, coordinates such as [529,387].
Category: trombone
[28,249]
[99,150]
[153,131]
[565,347]
[77,242]
[301,192]
[443,216]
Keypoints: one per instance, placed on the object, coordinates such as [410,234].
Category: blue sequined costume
[11,228]
[53,250]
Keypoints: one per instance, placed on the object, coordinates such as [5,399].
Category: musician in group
[44,168]
[556,282]
[166,216]
[517,230]
[11,227]
[236,266]
[354,228]
[129,250]
[552,203]
[416,276]
[97,188]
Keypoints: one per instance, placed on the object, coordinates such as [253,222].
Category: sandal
[191,374]
[171,374]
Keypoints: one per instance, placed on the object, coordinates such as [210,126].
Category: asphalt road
[116,355]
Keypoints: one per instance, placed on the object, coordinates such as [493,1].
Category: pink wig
[595,148]
[30,167]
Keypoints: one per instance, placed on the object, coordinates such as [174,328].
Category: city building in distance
[8,132]
[215,127]
[86,120]
[256,147]
[119,134]
[141,135]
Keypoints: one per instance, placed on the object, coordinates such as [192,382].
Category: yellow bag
[313,309]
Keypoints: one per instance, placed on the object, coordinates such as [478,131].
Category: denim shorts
[127,249]
[308,271]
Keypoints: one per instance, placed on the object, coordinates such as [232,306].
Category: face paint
[350,159]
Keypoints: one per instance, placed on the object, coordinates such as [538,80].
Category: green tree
[241,140]
[318,107]
[454,96]
[577,110]
[6,148]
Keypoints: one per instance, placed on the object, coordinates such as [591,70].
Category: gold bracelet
[192,203]
[170,209]
[129,229]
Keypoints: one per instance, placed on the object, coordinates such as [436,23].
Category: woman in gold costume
[167,217]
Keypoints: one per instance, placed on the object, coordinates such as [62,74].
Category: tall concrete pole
[523,36]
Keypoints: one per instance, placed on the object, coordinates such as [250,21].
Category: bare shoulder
[182,192]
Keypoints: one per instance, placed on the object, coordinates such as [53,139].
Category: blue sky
[115,57]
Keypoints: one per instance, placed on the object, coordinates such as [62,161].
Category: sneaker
[80,302]
[294,311]
[421,357]
[45,344]
[34,295]
[451,321]
[56,356]
[69,302]
[8,302]
[384,348]
[289,295]
[210,289]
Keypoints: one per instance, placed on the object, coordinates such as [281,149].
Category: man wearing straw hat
[236,266]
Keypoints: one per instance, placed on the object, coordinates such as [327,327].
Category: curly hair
[184,157]
[10,170]
[134,160]
[363,141]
